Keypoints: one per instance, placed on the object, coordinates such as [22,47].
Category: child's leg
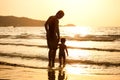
[64,61]
[60,61]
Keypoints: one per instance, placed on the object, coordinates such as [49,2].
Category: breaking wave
[71,47]
[95,38]
[76,37]
[69,61]
[23,36]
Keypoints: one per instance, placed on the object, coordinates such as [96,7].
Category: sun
[79,31]
[82,31]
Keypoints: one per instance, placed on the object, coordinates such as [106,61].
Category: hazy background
[79,12]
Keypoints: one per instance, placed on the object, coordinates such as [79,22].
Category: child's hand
[67,55]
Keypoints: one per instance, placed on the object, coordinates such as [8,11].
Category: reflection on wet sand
[52,75]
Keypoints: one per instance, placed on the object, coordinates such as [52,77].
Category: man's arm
[58,33]
[57,29]
[47,24]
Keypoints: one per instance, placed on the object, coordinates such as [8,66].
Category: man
[53,35]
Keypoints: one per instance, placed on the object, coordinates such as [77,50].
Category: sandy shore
[21,73]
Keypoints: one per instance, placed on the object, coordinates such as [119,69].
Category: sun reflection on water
[78,54]
[79,30]
[75,70]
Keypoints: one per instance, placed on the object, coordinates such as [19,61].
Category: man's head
[59,14]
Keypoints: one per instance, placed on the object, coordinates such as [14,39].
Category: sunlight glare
[75,70]
[78,54]
[79,31]
[74,53]
[82,31]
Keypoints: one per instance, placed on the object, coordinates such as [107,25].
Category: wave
[28,36]
[20,65]
[70,47]
[69,61]
[20,44]
[4,36]
[97,49]
[76,37]
[23,36]
[24,56]
[90,62]
[95,37]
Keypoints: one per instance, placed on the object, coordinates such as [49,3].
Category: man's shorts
[52,42]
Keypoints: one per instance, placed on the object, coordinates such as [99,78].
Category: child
[62,55]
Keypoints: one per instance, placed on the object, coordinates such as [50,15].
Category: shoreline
[24,73]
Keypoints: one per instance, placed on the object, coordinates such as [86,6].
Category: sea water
[92,50]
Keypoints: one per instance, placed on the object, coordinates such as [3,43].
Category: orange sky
[79,12]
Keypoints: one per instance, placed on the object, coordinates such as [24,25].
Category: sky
[78,12]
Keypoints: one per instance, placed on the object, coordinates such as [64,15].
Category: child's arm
[66,50]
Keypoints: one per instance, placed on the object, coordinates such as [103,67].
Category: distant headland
[70,25]
[6,21]
[19,21]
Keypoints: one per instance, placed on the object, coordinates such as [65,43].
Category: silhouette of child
[62,52]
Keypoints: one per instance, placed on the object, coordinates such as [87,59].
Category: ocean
[92,50]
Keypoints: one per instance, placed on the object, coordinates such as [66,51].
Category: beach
[20,73]
[82,35]
[92,56]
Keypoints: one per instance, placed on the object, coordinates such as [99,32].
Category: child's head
[63,40]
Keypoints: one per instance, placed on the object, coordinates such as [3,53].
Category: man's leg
[53,57]
[50,58]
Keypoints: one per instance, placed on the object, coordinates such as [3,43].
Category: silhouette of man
[53,35]
[51,75]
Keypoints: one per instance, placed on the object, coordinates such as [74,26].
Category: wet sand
[22,73]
